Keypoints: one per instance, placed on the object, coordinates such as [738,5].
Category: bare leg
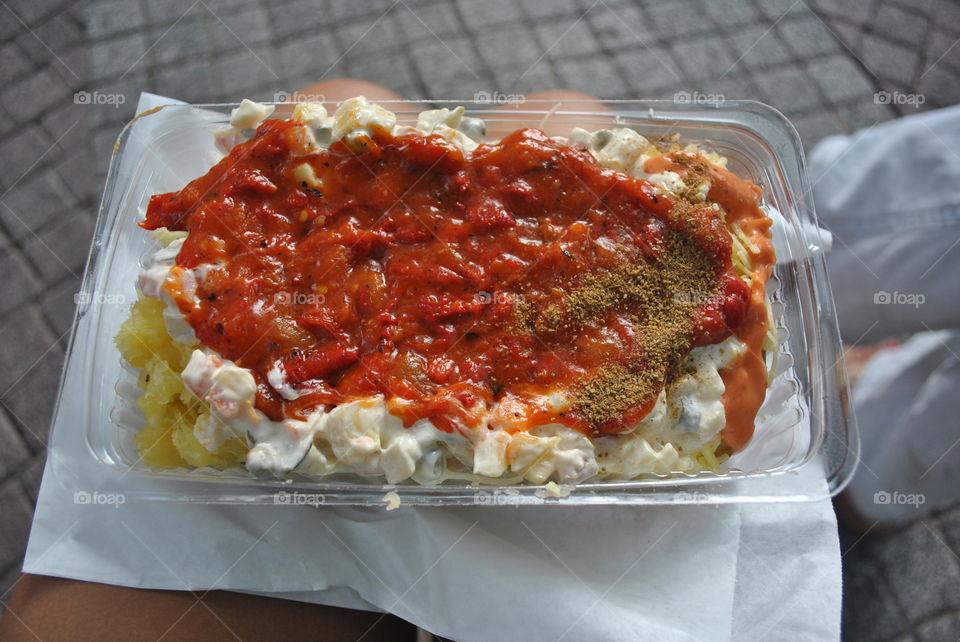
[51,608]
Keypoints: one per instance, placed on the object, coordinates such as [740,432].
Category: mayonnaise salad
[362,436]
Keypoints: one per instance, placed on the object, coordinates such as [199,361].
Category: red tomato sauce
[401,273]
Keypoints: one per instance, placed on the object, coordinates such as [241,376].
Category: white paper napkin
[469,573]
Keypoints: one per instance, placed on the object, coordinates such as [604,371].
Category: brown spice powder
[664,296]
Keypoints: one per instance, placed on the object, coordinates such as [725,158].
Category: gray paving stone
[7,124]
[242,71]
[840,78]
[15,63]
[58,33]
[393,73]
[510,51]
[14,453]
[869,609]
[32,405]
[61,250]
[808,36]
[730,87]
[477,16]
[34,94]
[942,628]
[926,577]
[15,525]
[788,89]
[939,87]
[106,19]
[9,26]
[731,12]
[72,66]
[7,581]
[436,19]
[19,283]
[538,9]
[816,126]
[890,60]
[122,96]
[314,54]
[165,12]
[899,23]
[618,27]
[651,73]
[20,153]
[460,74]
[26,338]
[593,75]
[855,12]
[367,39]
[288,18]
[74,169]
[563,38]
[950,525]
[34,203]
[946,12]
[345,10]
[539,78]
[777,9]
[676,20]
[941,49]
[243,28]
[186,40]
[863,113]
[704,58]
[32,475]
[120,56]
[189,80]
[103,141]
[850,36]
[758,47]
[59,304]
[28,11]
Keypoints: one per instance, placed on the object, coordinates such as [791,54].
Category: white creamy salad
[362,437]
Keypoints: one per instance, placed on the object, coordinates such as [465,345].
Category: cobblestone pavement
[823,68]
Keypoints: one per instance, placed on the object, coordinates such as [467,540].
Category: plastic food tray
[803,430]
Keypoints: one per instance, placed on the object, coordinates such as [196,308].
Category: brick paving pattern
[832,67]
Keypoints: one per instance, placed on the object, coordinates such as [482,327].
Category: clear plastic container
[805,446]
